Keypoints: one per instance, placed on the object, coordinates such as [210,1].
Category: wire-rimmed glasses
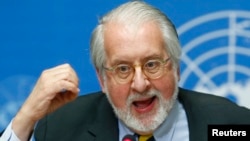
[152,68]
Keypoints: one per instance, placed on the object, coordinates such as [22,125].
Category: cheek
[166,85]
[118,94]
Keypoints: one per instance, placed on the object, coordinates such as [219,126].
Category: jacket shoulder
[212,108]
[78,115]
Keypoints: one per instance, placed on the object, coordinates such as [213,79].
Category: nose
[140,82]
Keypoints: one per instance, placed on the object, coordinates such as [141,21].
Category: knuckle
[66,75]
[67,65]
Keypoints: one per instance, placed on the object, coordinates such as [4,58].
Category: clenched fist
[55,87]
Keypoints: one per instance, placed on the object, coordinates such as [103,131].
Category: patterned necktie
[146,138]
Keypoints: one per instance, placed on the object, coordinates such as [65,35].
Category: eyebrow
[154,56]
[124,61]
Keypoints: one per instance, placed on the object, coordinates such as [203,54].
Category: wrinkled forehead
[122,40]
[132,31]
[120,27]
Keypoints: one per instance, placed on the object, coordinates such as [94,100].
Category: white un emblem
[216,55]
[14,90]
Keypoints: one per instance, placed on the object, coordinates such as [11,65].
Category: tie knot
[144,137]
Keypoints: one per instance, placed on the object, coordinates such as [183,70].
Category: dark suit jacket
[91,118]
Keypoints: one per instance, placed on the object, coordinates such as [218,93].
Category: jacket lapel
[105,127]
[196,115]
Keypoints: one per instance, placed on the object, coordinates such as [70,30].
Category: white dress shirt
[9,135]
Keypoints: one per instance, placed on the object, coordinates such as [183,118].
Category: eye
[152,65]
[122,68]
[123,71]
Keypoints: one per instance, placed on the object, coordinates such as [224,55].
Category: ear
[101,80]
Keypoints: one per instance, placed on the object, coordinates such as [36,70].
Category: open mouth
[144,105]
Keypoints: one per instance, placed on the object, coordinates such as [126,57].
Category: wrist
[23,125]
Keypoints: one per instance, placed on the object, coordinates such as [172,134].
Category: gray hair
[135,13]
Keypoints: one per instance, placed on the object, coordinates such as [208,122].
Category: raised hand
[55,87]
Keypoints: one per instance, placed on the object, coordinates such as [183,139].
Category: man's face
[142,103]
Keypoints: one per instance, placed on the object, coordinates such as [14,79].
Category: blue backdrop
[36,35]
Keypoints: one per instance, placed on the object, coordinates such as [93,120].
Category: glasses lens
[122,72]
[154,68]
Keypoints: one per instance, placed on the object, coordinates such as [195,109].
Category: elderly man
[136,52]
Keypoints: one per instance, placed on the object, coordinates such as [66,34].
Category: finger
[67,86]
[49,90]
[66,75]
[62,98]
[66,69]
[63,67]
[64,72]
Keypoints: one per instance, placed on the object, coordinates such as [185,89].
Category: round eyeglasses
[153,69]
